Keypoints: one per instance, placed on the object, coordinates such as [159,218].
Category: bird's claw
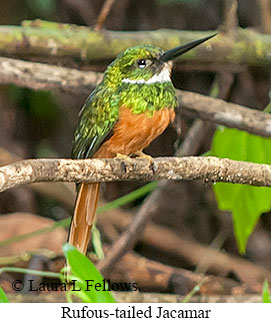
[122,156]
[152,164]
[140,154]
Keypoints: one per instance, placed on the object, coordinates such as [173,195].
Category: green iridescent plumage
[100,112]
[138,79]
[132,105]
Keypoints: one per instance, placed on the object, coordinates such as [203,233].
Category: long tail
[84,216]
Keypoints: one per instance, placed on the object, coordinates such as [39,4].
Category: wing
[96,121]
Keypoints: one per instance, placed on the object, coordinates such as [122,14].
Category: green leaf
[246,203]
[83,271]
[128,198]
[266,293]
[3,296]
[97,242]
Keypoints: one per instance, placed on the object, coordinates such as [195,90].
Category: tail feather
[84,216]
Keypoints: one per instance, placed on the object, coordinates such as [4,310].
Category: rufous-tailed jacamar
[133,104]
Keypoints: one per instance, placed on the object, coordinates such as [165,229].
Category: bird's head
[146,63]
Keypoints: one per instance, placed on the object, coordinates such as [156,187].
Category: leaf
[128,198]
[97,242]
[246,202]
[3,296]
[266,297]
[83,271]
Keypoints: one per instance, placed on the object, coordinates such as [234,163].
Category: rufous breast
[134,132]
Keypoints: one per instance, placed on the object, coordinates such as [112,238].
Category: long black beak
[180,50]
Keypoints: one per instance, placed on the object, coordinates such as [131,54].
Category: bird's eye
[141,63]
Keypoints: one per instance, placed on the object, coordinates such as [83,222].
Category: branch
[228,114]
[42,39]
[49,77]
[208,169]
[155,276]
[61,192]
[230,15]
[39,76]
[265,15]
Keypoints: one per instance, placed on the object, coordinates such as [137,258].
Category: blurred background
[38,124]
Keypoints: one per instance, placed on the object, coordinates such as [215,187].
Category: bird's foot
[140,154]
[122,156]
[125,158]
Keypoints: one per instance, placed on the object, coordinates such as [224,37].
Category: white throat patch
[163,76]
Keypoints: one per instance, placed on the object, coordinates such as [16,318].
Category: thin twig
[194,138]
[126,241]
[195,290]
[103,14]
[265,15]
[230,15]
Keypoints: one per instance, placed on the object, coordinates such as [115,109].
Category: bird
[133,104]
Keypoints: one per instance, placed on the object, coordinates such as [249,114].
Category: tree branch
[39,76]
[43,39]
[48,77]
[155,276]
[228,114]
[208,169]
